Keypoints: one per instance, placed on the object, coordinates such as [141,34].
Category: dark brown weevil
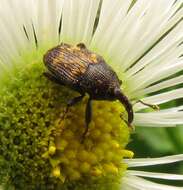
[85,72]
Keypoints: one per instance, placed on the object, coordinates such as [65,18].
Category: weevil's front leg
[74,101]
[88,116]
[153,106]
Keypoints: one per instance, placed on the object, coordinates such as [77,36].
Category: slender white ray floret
[77,26]
[137,183]
[134,181]
[154,161]
[150,39]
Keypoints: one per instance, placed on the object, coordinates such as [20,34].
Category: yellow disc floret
[42,148]
[103,147]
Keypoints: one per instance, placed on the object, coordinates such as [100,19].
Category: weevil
[85,72]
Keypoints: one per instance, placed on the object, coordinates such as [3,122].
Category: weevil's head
[108,90]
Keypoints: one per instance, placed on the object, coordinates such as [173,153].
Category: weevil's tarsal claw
[153,106]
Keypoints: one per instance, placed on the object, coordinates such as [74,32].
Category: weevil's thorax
[100,81]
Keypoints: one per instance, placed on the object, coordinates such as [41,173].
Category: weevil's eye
[120,82]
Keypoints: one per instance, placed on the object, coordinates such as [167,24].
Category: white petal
[12,36]
[164,47]
[22,13]
[172,110]
[162,61]
[111,16]
[155,175]
[131,34]
[137,183]
[21,19]
[164,84]
[153,161]
[161,21]
[46,20]
[170,117]
[143,120]
[114,23]
[160,98]
[163,118]
[78,20]
[164,69]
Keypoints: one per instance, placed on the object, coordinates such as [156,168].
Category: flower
[40,148]
[133,179]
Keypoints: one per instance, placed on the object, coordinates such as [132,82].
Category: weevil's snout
[124,100]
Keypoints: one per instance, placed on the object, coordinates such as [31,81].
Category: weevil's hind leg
[88,116]
[52,78]
[153,106]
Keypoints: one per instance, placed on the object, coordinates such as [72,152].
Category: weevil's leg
[127,104]
[88,116]
[71,103]
[52,78]
[153,106]
[74,101]
[126,121]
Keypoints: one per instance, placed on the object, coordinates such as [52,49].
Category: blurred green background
[157,142]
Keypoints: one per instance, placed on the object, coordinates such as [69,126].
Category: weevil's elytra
[86,72]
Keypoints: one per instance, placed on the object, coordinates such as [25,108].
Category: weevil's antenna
[128,106]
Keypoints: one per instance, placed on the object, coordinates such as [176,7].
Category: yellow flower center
[41,147]
[103,148]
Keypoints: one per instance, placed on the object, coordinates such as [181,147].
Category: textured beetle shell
[82,70]
[85,72]
[100,81]
[69,62]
